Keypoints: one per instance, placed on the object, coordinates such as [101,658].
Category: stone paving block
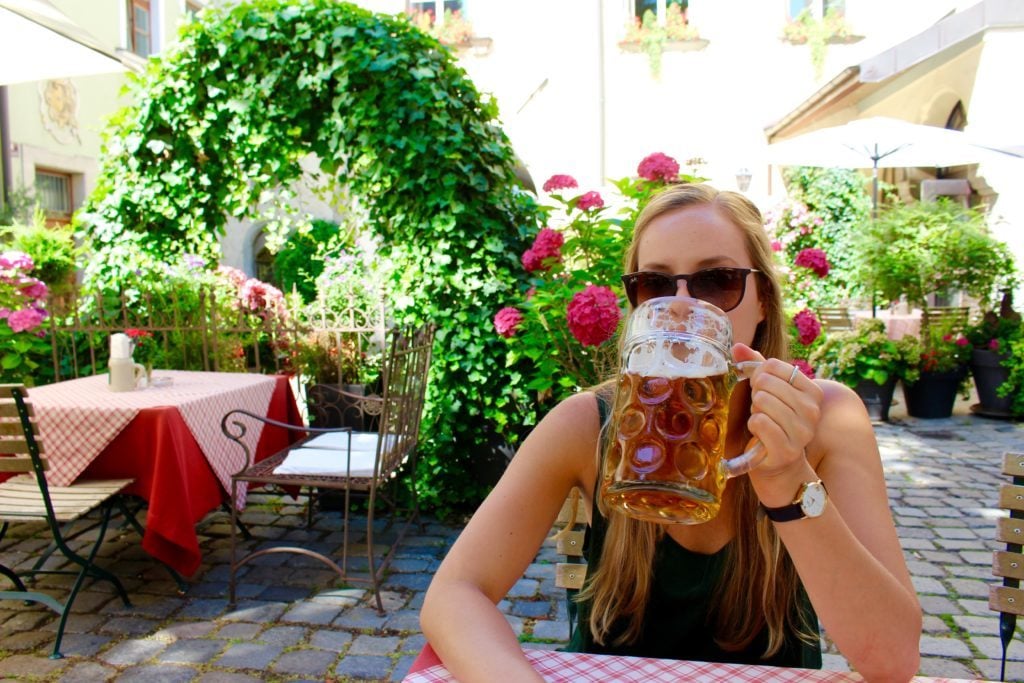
[256,611]
[963,571]
[970,588]
[944,647]
[987,625]
[360,617]
[523,588]
[908,542]
[306,662]
[24,666]
[919,568]
[285,636]
[402,667]
[412,581]
[249,656]
[982,558]
[365,666]
[414,643]
[239,631]
[374,645]
[193,651]
[207,608]
[956,533]
[551,630]
[973,606]
[185,630]
[534,609]
[944,668]
[227,677]
[404,620]
[29,619]
[129,626]
[343,597]
[992,647]
[87,672]
[934,625]
[82,644]
[283,593]
[158,673]
[335,641]
[311,613]
[924,584]
[834,663]
[938,604]
[132,651]
[990,670]
[939,556]
[23,641]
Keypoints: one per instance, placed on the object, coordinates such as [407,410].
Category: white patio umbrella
[880,142]
[38,42]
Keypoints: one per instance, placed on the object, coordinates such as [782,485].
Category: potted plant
[992,339]
[914,250]
[943,358]
[868,361]
[336,369]
[652,37]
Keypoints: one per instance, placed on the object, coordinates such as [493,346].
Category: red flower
[658,166]
[591,200]
[805,367]
[815,259]
[136,333]
[507,320]
[560,182]
[547,245]
[593,315]
[807,326]
[993,344]
[776,245]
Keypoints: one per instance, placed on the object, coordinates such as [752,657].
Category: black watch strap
[786,513]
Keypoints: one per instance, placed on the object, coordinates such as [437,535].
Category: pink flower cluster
[232,275]
[815,259]
[507,321]
[257,295]
[560,182]
[593,315]
[807,325]
[547,245]
[658,166]
[22,298]
[588,201]
[805,367]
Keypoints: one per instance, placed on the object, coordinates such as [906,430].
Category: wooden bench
[572,528]
[1008,598]
[835,318]
[340,458]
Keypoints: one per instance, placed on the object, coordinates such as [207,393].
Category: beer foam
[664,360]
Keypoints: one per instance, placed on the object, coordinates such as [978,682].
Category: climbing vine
[221,124]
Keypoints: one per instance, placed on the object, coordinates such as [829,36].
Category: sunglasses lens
[644,286]
[722,287]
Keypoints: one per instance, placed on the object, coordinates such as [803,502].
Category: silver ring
[792,375]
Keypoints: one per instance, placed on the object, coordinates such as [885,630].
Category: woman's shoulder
[844,425]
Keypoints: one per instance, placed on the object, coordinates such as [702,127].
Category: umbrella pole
[874,217]
[5,149]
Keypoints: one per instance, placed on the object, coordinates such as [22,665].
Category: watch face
[813,500]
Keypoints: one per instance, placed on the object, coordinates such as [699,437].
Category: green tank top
[677,621]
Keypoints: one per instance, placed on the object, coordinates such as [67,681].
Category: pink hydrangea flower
[993,344]
[34,289]
[232,275]
[16,260]
[962,341]
[808,326]
[590,200]
[593,315]
[507,321]
[26,319]
[776,245]
[658,166]
[815,259]
[547,245]
[560,182]
[805,367]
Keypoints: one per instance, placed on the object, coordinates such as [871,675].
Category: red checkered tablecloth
[78,418]
[571,667]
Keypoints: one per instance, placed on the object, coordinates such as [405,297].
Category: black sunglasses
[724,287]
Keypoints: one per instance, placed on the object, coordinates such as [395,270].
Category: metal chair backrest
[1008,598]
[835,318]
[941,320]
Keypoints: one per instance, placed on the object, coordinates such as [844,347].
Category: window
[140,26]
[641,7]
[817,8]
[53,192]
[435,8]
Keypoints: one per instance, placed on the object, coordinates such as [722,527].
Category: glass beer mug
[666,460]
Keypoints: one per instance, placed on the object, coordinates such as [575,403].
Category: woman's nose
[681,288]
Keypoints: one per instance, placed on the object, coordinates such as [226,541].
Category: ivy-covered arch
[224,118]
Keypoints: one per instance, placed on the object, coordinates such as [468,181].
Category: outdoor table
[575,667]
[167,438]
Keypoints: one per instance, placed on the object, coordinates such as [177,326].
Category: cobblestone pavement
[295,623]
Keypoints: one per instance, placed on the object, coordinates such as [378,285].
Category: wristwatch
[809,502]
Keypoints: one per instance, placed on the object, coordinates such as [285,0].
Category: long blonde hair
[759,585]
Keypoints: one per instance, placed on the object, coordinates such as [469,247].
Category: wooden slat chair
[944,320]
[1008,599]
[28,498]
[570,575]
[835,318]
[361,462]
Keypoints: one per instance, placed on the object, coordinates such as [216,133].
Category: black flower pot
[988,375]
[877,398]
[933,395]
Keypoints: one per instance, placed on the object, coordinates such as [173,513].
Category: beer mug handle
[745,368]
[744,462]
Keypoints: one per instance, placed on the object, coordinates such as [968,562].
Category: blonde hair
[759,584]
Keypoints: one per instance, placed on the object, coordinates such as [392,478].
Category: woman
[762,582]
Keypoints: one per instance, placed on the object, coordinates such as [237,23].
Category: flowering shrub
[815,259]
[808,327]
[565,323]
[22,305]
[866,353]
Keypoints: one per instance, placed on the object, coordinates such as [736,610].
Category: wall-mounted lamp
[743,179]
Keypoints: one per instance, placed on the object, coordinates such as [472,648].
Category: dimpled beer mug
[666,461]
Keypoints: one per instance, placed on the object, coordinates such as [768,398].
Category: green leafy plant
[253,87]
[866,353]
[301,260]
[817,34]
[913,250]
[653,37]
[52,249]
[1002,333]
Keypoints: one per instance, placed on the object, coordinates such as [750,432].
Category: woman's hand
[785,407]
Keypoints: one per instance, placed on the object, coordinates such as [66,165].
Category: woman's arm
[849,559]
[459,617]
